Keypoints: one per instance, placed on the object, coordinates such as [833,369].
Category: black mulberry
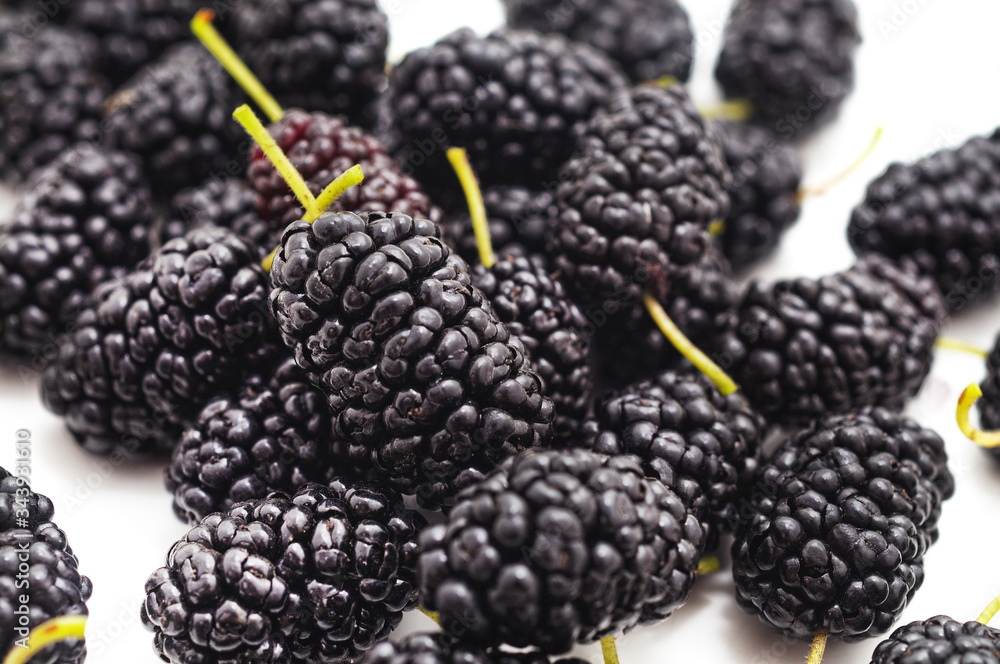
[809,347]
[321,55]
[764,193]
[86,219]
[793,60]
[647,181]
[940,640]
[150,349]
[512,99]
[272,434]
[50,98]
[989,404]
[176,115]
[55,586]
[649,39]
[534,306]
[943,212]
[559,547]
[702,445]
[319,576]
[428,385]
[837,524]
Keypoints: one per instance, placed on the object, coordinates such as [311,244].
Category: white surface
[930,82]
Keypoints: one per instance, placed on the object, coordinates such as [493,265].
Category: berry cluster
[544,374]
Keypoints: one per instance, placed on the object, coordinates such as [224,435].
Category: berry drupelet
[649,39]
[54,588]
[85,219]
[702,445]
[427,384]
[150,349]
[536,309]
[940,640]
[764,193]
[321,55]
[50,98]
[809,347]
[274,433]
[518,217]
[176,116]
[440,648]
[321,147]
[793,60]
[559,547]
[319,576]
[512,99]
[837,524]
[133,34]
[943,212]
[647,181]
[224,203]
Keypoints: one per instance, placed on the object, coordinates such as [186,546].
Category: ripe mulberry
[839,520]
[559,547]
[427,384]
[321,575]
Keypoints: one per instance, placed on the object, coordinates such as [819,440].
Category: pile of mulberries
[512,99]
[274,433]
[637,199]
[50,98]
[320,575]
[176,115]
[86,219]
[763,195]
[943,212]
[321,55]
[793,60]
[322,147]
[151,348]
[54,587]
[837,523]
[649,39]
[535,308]
[428,385]
[701,444]
[559,547]
[805,348]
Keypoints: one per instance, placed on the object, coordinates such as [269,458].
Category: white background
[927,73]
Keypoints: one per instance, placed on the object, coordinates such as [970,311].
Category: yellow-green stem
[49,632]
[459,159]
[818,647]
[201,26]
[844,174]
[684,346]
[949,343]
[610,650]
[991,610]
[970,396]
